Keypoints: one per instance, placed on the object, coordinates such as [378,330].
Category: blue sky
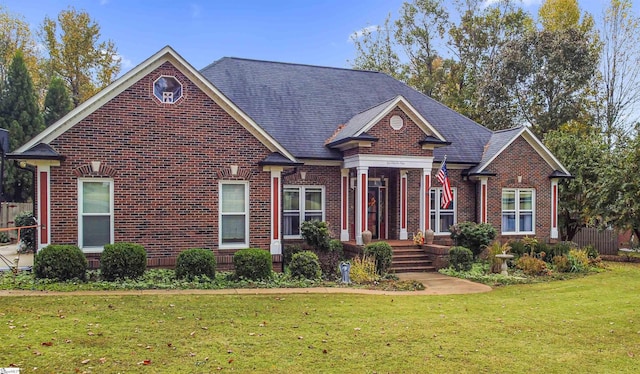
[202,31]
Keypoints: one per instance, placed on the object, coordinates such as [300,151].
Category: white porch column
[554,208]
[483,199]
[425,200]
[344,205]
[403,205]
[276,211]
[361,202]
[44,207]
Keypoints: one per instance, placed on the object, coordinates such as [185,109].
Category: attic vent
[396,122]
[167,89]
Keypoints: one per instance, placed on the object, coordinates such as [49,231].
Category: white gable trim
[537,145]
[167,54]
[409,110]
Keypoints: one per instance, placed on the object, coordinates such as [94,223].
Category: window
[441,218]
[167,89]
[301,204]
[234,214]
[518,214]
[95,211]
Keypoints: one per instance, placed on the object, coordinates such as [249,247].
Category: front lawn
[588,324]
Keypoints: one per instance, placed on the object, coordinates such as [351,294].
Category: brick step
[410,258]
[413,269]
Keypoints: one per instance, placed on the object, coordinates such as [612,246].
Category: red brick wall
[520,159]
[166,160]
[404,142]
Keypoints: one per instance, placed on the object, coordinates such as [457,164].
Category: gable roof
[302,105]
[362,122]
[131,77]
[502,139]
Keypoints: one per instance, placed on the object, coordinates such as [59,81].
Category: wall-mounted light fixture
[303,175]
[95,166]
[234,169]
[519,178]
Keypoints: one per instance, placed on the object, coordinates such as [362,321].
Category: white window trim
[246,216]
[80,213]
[301,189]
[517,211]
[437,208]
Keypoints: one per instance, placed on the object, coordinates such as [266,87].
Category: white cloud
[104,2]
[125,63]
[196,10]
[358,34]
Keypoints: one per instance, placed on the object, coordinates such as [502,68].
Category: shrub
[531,265]
[253,264]
[562,264]
[305,264]
[382,254]
[578,261]
[288,252]
[517,248]
[363,270]
[27,236]
[330,260]
[460,258]
[591,251]
[61,262]
[316,234]
[474,236]
[195,262]
[123,260]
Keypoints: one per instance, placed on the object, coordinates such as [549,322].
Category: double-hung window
[301,203]
[441,218]
[95,213]
[234,214]
[518,213]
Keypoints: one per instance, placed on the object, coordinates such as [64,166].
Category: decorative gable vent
[167,89]
[396,122]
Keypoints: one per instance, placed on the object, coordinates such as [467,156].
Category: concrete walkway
[9,252]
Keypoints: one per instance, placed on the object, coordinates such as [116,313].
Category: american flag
[443,177]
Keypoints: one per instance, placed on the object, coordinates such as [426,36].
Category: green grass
[584,325]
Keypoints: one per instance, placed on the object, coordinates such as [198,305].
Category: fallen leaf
[204,328]
[102,360]
[630,354]
[300,337]
[90,333]
[37,353]
[357,329]
[192,333]
[84,362]
[191,354]
[146,362]
[47,344]
[324,351]
[230,360]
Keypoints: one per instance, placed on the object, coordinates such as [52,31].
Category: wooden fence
[605,241]
[9,211]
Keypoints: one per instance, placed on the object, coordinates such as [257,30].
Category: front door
[376,210]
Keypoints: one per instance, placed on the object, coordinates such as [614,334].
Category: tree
[422,23]
[77,54]
[619,92]
[375,50]
[557,15]
[15,35]
[57,102]
[19,113]
[581,149]
[544,78]
[619,197]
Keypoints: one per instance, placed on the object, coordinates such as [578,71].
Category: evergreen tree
[19,113]
[57,103]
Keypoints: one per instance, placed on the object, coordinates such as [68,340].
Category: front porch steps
[409,258]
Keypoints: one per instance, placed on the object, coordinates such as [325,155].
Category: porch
[407,256]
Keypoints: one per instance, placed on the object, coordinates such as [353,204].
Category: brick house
[238,154]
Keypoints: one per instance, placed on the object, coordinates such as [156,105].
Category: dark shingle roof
[40,151]
[301,106]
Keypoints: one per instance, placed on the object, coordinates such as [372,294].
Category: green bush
[517,248]
[562,264]
[305,264]
[316,234]
[383,255]
[363,270]
[474,236]
[27,236]
[123,260]
[578,261]
[61,262]
[460,258]
[253,264]
[195,262]
[330,260]
[591,251]
[288,251]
